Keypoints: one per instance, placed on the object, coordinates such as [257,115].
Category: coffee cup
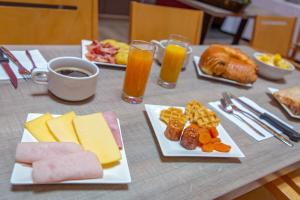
[160,48]
[68,78]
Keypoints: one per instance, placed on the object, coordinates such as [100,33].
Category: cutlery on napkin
[244,126]
[37,57]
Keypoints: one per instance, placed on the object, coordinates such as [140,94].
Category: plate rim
[126,180]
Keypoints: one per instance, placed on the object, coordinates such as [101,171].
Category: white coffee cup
[68,87]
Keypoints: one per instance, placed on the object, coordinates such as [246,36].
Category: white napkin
[39,60]
[244,126]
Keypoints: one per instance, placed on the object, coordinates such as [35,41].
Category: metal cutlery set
[6,56]
[260,119]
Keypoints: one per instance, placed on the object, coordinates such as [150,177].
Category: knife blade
[12,77]
[21,68]
[291,133]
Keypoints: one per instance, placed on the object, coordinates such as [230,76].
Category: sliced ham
[28,152]
[111,119]
[74,166]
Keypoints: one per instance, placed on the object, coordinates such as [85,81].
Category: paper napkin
[241,124]
[39,60]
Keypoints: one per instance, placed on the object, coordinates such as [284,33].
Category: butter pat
[39,129]
[62,128]
[95,136]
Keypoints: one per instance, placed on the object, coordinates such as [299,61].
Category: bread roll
[228,62]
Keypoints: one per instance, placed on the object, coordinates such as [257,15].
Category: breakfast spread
[108,51]
[229,63]
[290,97]
[274,60]
[71,147]
[201,130]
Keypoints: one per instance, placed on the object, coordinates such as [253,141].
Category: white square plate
[173,148]
[118,174]
[201,74]
[84,50]
[273,90]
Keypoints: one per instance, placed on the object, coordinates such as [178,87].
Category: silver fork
[229,110]
[28,54]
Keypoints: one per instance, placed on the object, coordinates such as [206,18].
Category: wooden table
[153,176]
[210,12]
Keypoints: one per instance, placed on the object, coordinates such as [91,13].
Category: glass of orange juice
[140,59]
[173,60]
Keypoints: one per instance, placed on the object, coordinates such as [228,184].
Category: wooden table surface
[153,176]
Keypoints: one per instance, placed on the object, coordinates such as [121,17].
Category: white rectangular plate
[201,74]
[84,50]
[174,149]
[273,90]
[118,174]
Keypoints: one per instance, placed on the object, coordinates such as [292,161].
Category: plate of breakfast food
[71,149]
[191,131]
[226,64]
[289,99]
[106,52]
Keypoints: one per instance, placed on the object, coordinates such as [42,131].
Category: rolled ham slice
[111,119]
[74,166]
[29,152]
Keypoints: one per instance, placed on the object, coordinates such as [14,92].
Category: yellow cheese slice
[62,128]
[39,129]
[95,136]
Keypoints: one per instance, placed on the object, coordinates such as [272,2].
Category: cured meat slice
[111,119]
[75,166]
[28,152]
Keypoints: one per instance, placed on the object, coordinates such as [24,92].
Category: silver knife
[291,133]
[259,122]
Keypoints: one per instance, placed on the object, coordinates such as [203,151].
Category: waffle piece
[204,117]
[172,113]
[191,107]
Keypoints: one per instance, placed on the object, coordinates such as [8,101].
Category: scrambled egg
[274,60]
[122,55]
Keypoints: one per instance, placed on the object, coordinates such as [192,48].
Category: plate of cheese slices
[71,149]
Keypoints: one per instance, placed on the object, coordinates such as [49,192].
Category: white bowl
[269,71]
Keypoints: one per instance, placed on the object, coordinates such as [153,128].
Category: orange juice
[172,63]
[137,72]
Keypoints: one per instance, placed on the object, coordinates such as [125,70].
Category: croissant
[229,63]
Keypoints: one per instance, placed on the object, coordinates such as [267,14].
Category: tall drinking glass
[138,68]
[173,60]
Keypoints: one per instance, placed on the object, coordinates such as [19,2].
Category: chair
[273,34]
[296,49]
[148,22]
[48,21]
[286,187]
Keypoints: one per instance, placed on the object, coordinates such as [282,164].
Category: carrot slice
[204,137]
[213,132]
[207,147]
[215,140]
[221,147]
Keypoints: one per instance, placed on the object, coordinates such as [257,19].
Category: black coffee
[73,72]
